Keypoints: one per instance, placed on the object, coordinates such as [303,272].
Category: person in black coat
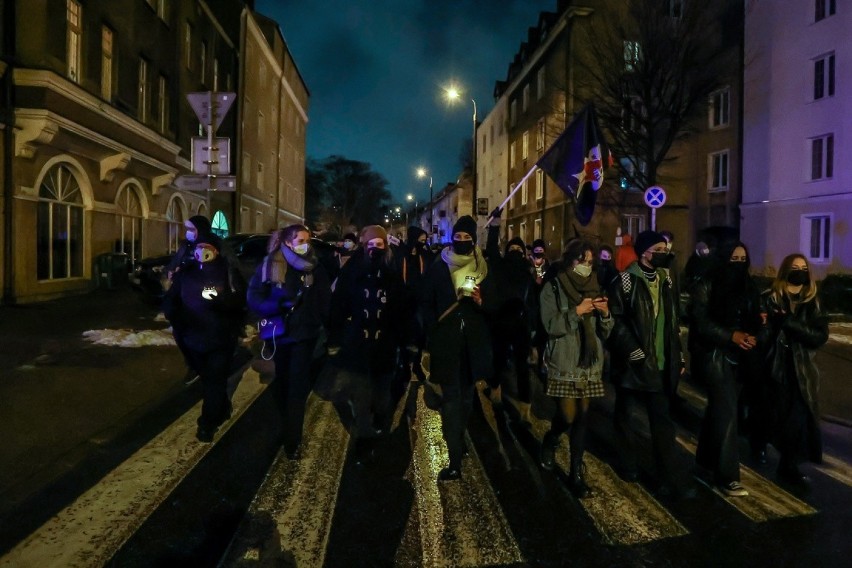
[196,227]
[725,325]
[646,359]
[797,328]
[206,303]
[458,343]
[291,284]
[366,321]
[513,314]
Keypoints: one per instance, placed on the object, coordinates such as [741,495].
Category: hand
[602,305]
[477,296]
[393,240]
[333,350]
[495,217]
[743,340]
[587,306]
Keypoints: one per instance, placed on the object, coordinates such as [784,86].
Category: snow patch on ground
[129,337]
[837,338]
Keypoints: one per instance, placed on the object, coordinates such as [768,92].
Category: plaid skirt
[563,388]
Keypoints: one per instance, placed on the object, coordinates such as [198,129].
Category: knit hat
[466,224]
[371,232]
[350,237]
[646,240]
[539,243]
[515,241]
[414,233]
[201,223]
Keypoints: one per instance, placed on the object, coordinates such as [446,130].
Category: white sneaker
[734,489]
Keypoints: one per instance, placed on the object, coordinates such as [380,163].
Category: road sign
[655,197]
[206,183]
[211,108]
[219,157]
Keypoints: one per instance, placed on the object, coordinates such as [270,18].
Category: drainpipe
[7,117]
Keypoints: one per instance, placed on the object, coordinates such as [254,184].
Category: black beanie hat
[515,241]
[466,224]
[209,239]
[539,243]
[201,224]
[646,240]
[414,233]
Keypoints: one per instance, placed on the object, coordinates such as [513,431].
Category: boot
[548,450]
[524,409]
[576,484]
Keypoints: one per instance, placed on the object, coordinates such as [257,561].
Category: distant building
[797,186]
[492,160]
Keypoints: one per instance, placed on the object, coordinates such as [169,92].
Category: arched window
[220,225]
[60,226]
[176,216]
[129,222]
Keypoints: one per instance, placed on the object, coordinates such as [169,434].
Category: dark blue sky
[375,70]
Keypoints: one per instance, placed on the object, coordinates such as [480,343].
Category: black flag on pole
[575,162]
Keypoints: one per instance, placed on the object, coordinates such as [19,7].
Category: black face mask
[463,247]
[515,255]
[798,277]
[737,269]
[659,259]
[376,254]
[538,255]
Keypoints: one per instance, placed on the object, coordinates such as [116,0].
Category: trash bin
[111,270]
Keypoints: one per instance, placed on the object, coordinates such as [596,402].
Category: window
[246,168]
[220,225]
[718,164]
[73,38]
[215,74]
[143,90]
[59,226]
[823,8]
[822,157]
[539,184]
[720,108]
[187,45]
[525,145]
[106,63]
[524,197]
[175,215]
[163,103]
[513,113]
[632,55]
[632,225]
[129,222]
[522,233]
[824,77]
[512,155]
[816,236]
[203,62]
[539,138]
[260,176]
[537,229]
[526,101]
[539,83]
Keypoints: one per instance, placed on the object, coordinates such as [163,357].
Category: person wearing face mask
[646,361]
[292,285]
[206,304]
[458,343]
[513,313]
[196,227]
[726,323]
[797,327]
[413,260]
[607,273]
[575,312]
[366,321]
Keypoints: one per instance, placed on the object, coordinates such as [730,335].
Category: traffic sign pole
[655,197]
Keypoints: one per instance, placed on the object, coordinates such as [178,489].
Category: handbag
[271,327]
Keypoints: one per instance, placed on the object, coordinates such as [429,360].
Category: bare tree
[650,66]
[341,192]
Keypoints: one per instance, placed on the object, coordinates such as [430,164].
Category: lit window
[74,38]
[163,104]
[537,229]
[822,157]
[539,139]
[106,63]
[719,171]
[539,184]
[720,108]
[524,199]
[187,45]
[632,225]
[143,90]
[512,155]
[525,145]
[129,213]
[824,77]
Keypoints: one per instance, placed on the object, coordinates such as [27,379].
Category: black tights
[571,416]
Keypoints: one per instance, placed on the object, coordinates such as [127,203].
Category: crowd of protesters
[385,312]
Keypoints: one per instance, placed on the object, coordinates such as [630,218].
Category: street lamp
[410,198]
[422,173]
[453,94]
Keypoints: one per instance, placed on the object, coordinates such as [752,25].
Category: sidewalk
[64,400]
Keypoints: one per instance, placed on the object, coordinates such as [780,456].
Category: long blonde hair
[779,285]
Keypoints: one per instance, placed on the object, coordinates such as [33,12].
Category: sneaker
[190,377]
[734,489]
[205,435]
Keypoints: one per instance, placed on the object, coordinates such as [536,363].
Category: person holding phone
[575,313]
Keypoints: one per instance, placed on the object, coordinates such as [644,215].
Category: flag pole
[508,197]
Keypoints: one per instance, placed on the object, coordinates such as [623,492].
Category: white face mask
[348,245]
[583,270]
[301,249]
[191,236]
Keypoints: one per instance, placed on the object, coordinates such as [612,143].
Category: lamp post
[410,198]
[454,94]
[422,173]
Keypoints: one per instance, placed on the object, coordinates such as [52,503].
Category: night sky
[375,70]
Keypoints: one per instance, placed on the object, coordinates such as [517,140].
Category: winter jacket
[368,315]
[563,326]
[513,299]
[305,307]
[206,303]
[632,308]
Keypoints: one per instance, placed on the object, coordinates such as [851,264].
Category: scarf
[463,265]
[577,288]
[274,268]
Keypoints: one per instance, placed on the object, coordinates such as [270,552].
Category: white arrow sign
[211,108]
[206,183]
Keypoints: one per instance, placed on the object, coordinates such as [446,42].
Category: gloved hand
[495,217]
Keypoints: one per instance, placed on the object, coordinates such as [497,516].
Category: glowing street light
[454,94]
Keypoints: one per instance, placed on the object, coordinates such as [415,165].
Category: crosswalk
[461,523]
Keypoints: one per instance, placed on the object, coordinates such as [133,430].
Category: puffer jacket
[563,326]
[633,309]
